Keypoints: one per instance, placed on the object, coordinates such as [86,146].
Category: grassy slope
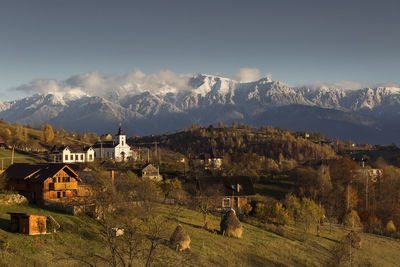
[5,155]
[257,247]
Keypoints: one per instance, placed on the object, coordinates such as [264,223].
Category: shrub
[352,220]
[281,214]
[390,227]
[263,211]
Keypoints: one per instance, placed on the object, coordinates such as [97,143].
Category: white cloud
[96,84]
[245,75]
[341,84]
[386,84]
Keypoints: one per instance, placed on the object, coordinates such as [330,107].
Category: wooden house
[38,182]
[230,192]
[28,223]
[151,172]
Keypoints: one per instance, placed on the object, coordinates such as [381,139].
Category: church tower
[120,137]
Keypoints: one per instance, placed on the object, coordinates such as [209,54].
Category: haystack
[230,225]
[180,240]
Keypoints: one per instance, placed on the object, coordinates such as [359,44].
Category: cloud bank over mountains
[97,84]
[166,101]
[165,81]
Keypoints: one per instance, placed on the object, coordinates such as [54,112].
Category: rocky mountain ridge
[371,113]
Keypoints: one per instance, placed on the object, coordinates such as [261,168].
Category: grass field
[258,247]
[5,158]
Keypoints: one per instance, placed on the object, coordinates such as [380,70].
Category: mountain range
[364,115]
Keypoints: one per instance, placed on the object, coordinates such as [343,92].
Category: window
[66,179]
[90,156]
[81,157]
[58,194]
[122,143]
[64,194]
[226,202]
[76,157]
[56,179]
[72,157]
[66,157]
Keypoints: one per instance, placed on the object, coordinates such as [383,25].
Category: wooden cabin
[228,192]
[28,223]
[151,172]
[38,182]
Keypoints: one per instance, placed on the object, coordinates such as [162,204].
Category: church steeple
[120,130]
[120,137]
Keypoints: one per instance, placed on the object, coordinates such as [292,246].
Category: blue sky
[299,42]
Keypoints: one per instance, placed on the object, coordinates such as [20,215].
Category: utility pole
[366,184]
[12,156]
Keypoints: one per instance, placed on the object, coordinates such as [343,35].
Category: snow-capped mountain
[364,115]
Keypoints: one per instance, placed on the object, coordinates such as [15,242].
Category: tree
[48,134]
[390,228]
[352,220]
[305,212]
[169,186]
[206,201]
[234,124]
[125,206]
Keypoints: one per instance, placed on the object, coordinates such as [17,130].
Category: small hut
[180,240]
[230,225]
[28,223]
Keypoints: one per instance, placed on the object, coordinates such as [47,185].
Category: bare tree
[128,226]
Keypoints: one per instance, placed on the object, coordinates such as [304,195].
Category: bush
[281,214]
[352,220]
[390,227]
[304,211]
[263,211]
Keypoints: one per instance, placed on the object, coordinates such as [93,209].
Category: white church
[116,149]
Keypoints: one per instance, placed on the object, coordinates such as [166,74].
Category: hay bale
[230,225]
[180,240]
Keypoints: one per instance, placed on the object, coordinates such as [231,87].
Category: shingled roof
[37,172]
[226,185]
[104,144]
[72,148]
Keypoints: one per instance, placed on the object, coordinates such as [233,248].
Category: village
[118,179]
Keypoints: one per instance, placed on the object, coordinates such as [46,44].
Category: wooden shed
[228,192]
[28,223]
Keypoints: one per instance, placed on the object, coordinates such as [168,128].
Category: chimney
[238,188]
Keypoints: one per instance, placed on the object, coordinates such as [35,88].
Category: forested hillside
[269,142]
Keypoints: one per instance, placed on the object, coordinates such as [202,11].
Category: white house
[72,154]
[116,149]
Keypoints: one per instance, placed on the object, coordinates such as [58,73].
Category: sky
[297,42]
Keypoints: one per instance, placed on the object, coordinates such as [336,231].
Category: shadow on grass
[252,259]
[213,231]
[5,224]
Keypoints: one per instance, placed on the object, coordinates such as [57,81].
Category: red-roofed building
[38,182]
[2,143]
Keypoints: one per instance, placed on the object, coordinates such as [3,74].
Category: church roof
[104,144]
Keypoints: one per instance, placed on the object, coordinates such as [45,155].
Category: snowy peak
[206,99]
